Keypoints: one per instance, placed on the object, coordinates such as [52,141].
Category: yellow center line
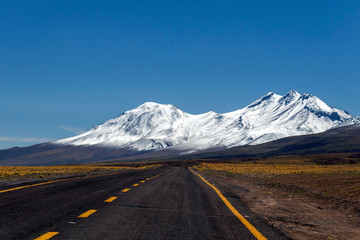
[87,213]
[135,185]
[111,199]
[125,190]
[142,181]
[147,179]
[247,224]
[47,236]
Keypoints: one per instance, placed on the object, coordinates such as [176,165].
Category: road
[161,203]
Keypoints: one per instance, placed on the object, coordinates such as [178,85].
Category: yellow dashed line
[87,213]
[47,236]
[247,224]
[111,199]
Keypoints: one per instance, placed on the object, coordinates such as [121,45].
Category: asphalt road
[162,203]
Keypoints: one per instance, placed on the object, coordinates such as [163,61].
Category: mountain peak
[151,105]
[293,93]
[148,106]
[290,97]
[269,97]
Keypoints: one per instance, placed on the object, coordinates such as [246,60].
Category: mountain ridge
[337,140]
[154,126]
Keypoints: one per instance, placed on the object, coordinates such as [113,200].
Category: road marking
[53,181]
[87,213]
[135,185]
[47,236]
[247,224]
[125,190]
[111,199]
[37,184]
[142,181]
[147,179]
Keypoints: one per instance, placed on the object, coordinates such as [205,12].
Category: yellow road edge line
[38,184]
[47,236]
[247,224]
[53,181]
[87,213]
[125,190]
[135,185]
[110,199]
[63,180]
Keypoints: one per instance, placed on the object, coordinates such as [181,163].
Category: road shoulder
[299,216]
[236,201]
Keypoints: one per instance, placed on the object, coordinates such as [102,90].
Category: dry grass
[270,170]
[332,182]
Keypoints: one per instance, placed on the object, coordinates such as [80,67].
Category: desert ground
[301,198]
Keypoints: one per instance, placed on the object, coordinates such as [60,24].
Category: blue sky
[66,66]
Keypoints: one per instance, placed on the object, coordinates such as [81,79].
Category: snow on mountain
[153,126]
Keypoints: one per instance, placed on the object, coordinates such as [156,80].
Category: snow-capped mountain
[154,126]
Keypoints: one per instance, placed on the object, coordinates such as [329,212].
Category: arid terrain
[304,200]
[305,197]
